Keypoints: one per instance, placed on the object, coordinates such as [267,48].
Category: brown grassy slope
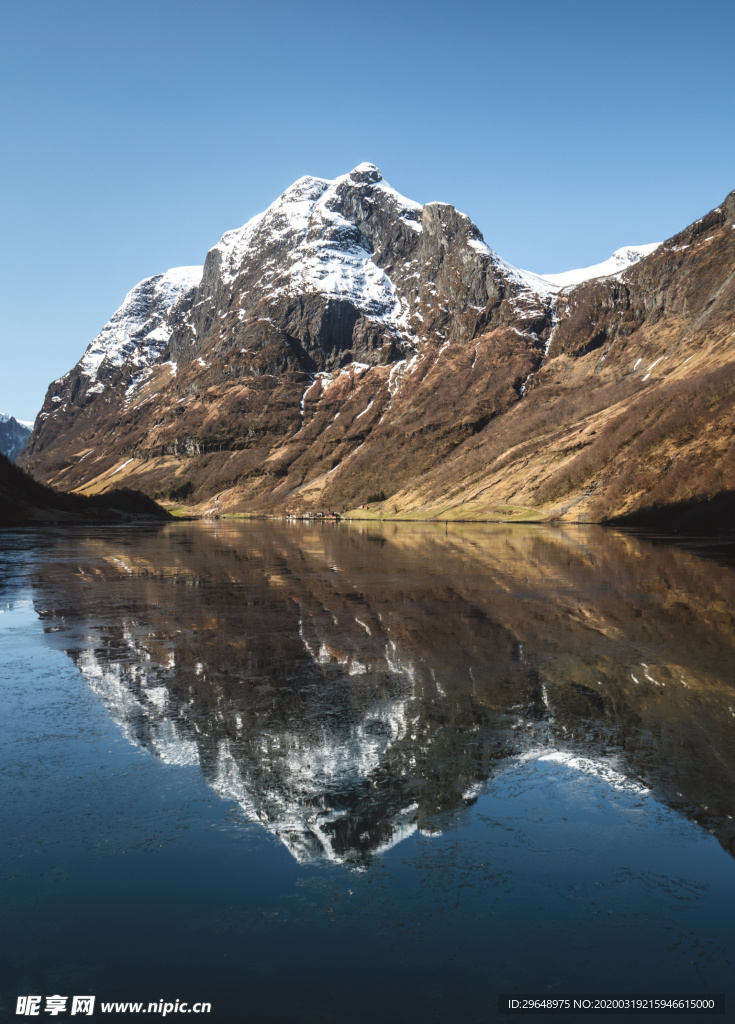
[604,431]
[246,437]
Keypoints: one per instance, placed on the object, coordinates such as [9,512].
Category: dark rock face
[13,437]
[690,277]
[349,341]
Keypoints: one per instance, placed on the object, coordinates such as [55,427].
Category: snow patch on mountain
[620,260]
[335,262]
[316,248]
[138,331]
[285,219]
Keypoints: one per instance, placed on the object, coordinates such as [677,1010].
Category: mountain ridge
[348,340]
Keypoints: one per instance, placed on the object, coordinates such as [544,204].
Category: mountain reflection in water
[348,685]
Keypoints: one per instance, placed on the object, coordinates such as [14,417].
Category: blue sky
[136,133]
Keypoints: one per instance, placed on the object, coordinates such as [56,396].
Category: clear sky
[135,133]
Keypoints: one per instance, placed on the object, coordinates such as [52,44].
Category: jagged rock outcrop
[348,341]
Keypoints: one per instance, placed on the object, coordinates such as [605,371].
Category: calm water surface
[342,773]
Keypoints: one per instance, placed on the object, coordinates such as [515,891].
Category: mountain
[137,333]
[349,342]
[14,436]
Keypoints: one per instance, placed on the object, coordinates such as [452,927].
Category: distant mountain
[349,341]
[620,260]
[14,436]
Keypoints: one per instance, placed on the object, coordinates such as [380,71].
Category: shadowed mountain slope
[24,502]
[13,436]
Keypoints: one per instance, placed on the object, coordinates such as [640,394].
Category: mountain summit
[348,341]
[350,270]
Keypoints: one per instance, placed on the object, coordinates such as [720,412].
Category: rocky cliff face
[349,341]
[13,436]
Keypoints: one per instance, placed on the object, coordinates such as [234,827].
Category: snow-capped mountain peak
[353,241]
[365,172]
[4,418]
[304,242]
[349,268]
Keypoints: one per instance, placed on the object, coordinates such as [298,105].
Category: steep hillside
[349,341]
[25,502]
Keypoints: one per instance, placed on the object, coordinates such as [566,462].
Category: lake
[356,772]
